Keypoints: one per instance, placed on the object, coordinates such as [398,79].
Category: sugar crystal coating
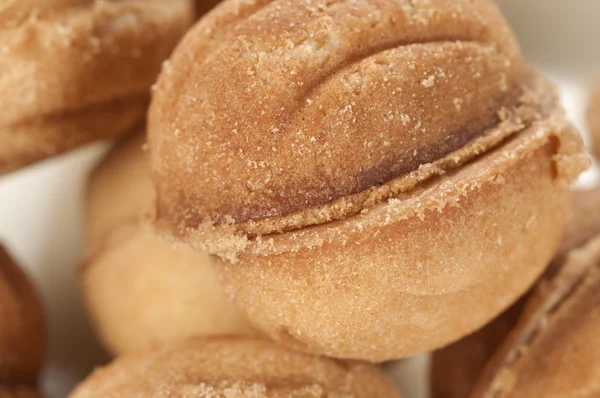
[269,108]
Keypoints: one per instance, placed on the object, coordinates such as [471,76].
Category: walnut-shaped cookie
[364,170]
[233,367]
[76,71]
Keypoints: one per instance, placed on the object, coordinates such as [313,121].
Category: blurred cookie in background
[75,71]
[22,331]
[233,367]
[139,289]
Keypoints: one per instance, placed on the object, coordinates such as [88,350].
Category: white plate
[41,207]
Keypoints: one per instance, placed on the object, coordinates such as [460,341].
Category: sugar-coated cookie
[365,171]
[233,367]
[74,71]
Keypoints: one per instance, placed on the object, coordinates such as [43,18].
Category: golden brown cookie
[525,350]
[139,289]
[322,101]
[364,170]
[233,367]
[594,118]
[74,71]
[22,331]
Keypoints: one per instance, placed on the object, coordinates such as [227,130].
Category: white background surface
[41,207]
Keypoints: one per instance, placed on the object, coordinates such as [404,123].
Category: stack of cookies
[315,187]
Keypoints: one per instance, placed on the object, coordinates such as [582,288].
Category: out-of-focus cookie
[583,220]
[525,351]
[74,71]
[139,289]
[594,119]
[22,331]
[233,367]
